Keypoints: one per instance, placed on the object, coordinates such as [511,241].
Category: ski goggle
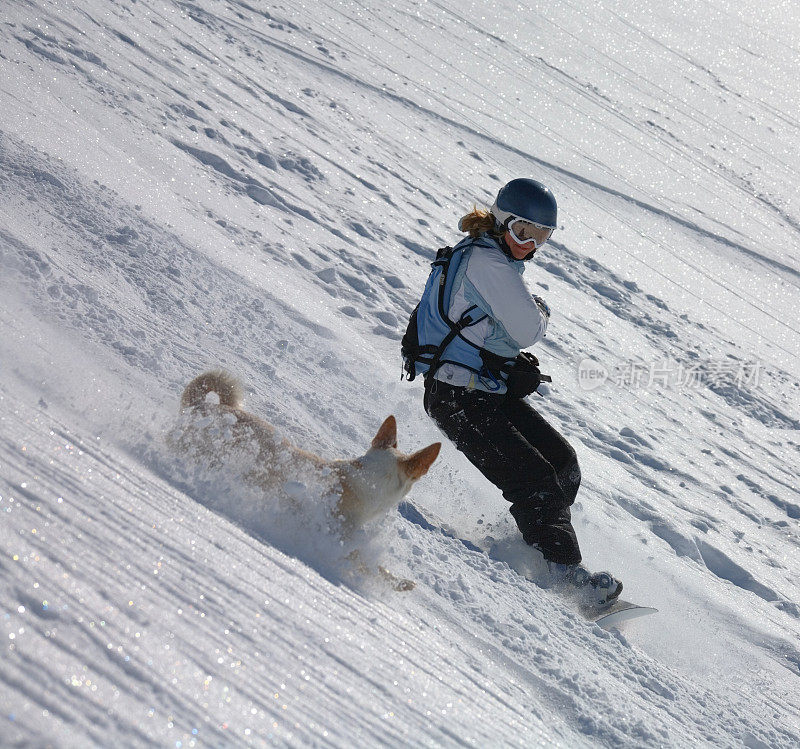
[526,232]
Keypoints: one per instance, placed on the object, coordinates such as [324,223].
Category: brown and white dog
[364,488]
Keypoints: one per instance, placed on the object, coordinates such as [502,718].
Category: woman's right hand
[542,305]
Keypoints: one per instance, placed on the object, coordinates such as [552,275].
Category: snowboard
[608,617]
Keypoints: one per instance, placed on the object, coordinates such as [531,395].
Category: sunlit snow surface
[262,187]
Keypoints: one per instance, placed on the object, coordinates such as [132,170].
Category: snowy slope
[262,187]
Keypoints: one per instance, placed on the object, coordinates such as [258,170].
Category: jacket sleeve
[510,303]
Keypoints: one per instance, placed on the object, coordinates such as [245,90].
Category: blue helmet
[528,199]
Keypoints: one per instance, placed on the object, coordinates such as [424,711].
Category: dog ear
[417,465]
[387,435]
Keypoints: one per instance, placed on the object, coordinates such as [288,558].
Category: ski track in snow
[163,616]
[192,185]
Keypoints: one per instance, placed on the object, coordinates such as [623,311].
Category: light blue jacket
[493,282]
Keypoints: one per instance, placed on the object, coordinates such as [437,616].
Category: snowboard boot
[600,588]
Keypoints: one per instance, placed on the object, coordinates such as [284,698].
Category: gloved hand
[524,377]
[527,358]
[542,305]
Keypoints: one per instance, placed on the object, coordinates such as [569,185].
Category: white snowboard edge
[621,611]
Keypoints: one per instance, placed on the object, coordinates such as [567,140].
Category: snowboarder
[466,337]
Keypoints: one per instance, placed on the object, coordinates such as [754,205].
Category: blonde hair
[478,221]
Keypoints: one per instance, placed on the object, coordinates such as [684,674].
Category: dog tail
[224,384]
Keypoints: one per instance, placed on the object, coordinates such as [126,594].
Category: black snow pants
[521,454]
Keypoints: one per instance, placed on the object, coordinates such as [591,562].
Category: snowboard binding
[600,588]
